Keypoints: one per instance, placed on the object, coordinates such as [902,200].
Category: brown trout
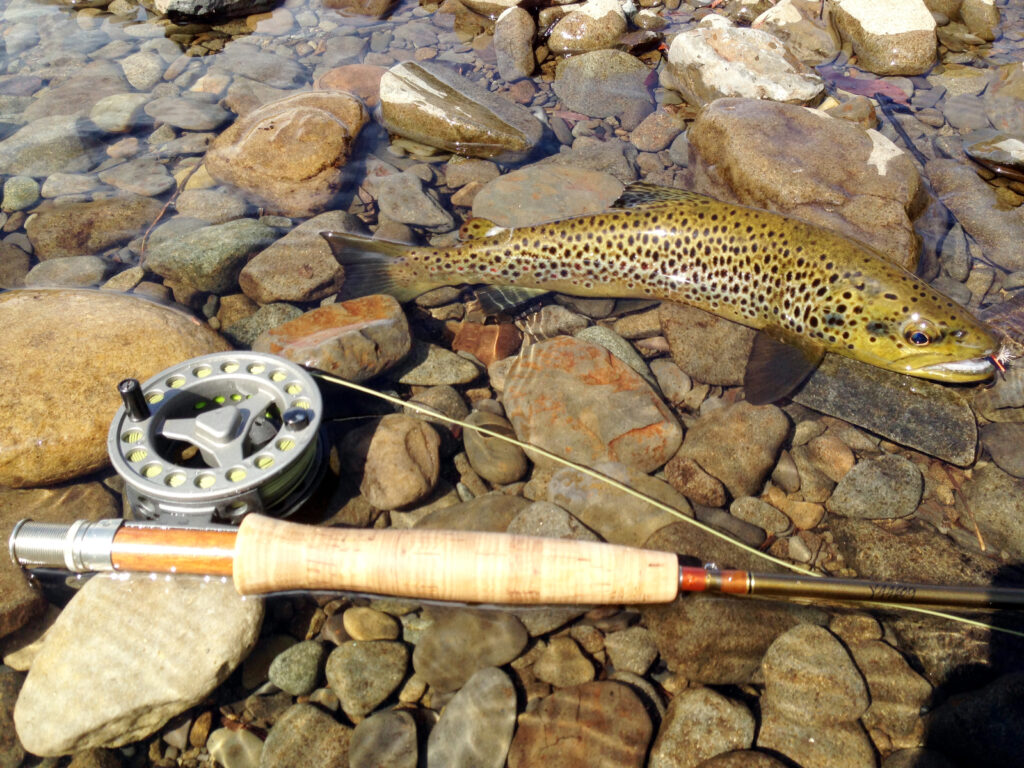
[810,290]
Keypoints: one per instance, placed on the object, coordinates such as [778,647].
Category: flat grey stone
[476,725]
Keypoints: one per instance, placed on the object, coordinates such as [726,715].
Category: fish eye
[921,332]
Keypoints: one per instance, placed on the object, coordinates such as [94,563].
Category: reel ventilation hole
[218,436]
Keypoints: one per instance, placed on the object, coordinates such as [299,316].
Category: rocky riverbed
[183,157]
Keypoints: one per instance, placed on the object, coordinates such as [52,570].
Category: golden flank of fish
[808,289]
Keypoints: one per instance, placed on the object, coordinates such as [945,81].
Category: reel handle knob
[134,401]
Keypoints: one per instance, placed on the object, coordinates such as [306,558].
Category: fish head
[900,323]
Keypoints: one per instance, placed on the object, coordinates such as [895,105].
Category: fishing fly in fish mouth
[809,290]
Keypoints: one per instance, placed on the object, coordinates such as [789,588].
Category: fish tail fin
[376,266]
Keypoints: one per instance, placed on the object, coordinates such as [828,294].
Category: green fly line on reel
[216,437]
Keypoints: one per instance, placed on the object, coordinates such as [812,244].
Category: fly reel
[216,437]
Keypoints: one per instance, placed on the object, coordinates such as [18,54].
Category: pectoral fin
[505,299]
[777,365]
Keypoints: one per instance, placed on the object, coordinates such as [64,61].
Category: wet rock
[355,340]
[245,331]
[534,195]
[542,518]
[595,25]
[981,18]
[513,44]
[605,410]
[384,738]
[361,79]
[364,674]
[599,724]
[139,177]
[402,462]
[618,346]
[813,698]
[19,601]
[86,229]
[140,629]
[401,198]
[494,460]
[487,343]
[686,476]
[209,258]
[299,266]
[562,664]
[143,70]
[716,641]
[899,696]
[831,456]
[475,727]
[613,514]
[14,265]
[698,725]
[267,68]
[235,749]
[430,365]
[188,114]
[418,100]
[811,39]
[976,720]
[656,132]
[605,83]
[79,92]
[996,501]
[288,155]
[887,487]
[711,63]
[19,193]
[68,272]
[737,444]
[43,445]
[1005,444]
[363,623]
[307,736]
[928,417]
[214,206]
[760,513]
[889,38]
[461,642]
[856,182]
[972,202]
[706,347]
[208,8]
[490,512]
[54,144]
[298,669]
[742,759]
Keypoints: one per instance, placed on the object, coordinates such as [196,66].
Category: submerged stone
[890,37]
[434,105]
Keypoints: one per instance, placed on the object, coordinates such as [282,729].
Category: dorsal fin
[478,227]
[777,366]
[641,193]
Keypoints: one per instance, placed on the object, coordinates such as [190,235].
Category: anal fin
[777,366]
[505,299]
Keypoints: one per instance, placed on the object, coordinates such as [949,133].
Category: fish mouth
[971,369]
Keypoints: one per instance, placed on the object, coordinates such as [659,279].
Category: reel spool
[216,437]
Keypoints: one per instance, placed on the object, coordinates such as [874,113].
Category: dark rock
[886,487]
[306,736]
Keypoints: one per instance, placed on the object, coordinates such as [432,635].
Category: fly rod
[265,555]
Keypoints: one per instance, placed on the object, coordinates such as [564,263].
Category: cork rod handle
[461,566]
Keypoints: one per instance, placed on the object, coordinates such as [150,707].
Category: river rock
[434,105]
[513,44]
[492,512]
[711,63]
[887,487]
[563,664]
[605,83]
[385,739]
[981,18]
[143,176]
[698,725]
[854,181]
[814,696]
[235,749]
[401,198]
[972,201]
[495,460]
[475,727]
[89,228]
[599,724]
[973,720]
[306,735]
[68,272]
[122,336]
[288,155]
[737,444]
[198,9]
[11,751]
[363,674]
[706,347]
[605,410]
[361,79]
[461,642]
[175,639]
[996,501]
[797,23]
[298,668]
[402,462]
[54,144]
[19,600]
[594,25]
[209,258]
[355,340]
[188,114]
[615,515]
[923,415]
[534,195]
[898,694]
[79,92]
[890,37]
[1005,444]
[431,365]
